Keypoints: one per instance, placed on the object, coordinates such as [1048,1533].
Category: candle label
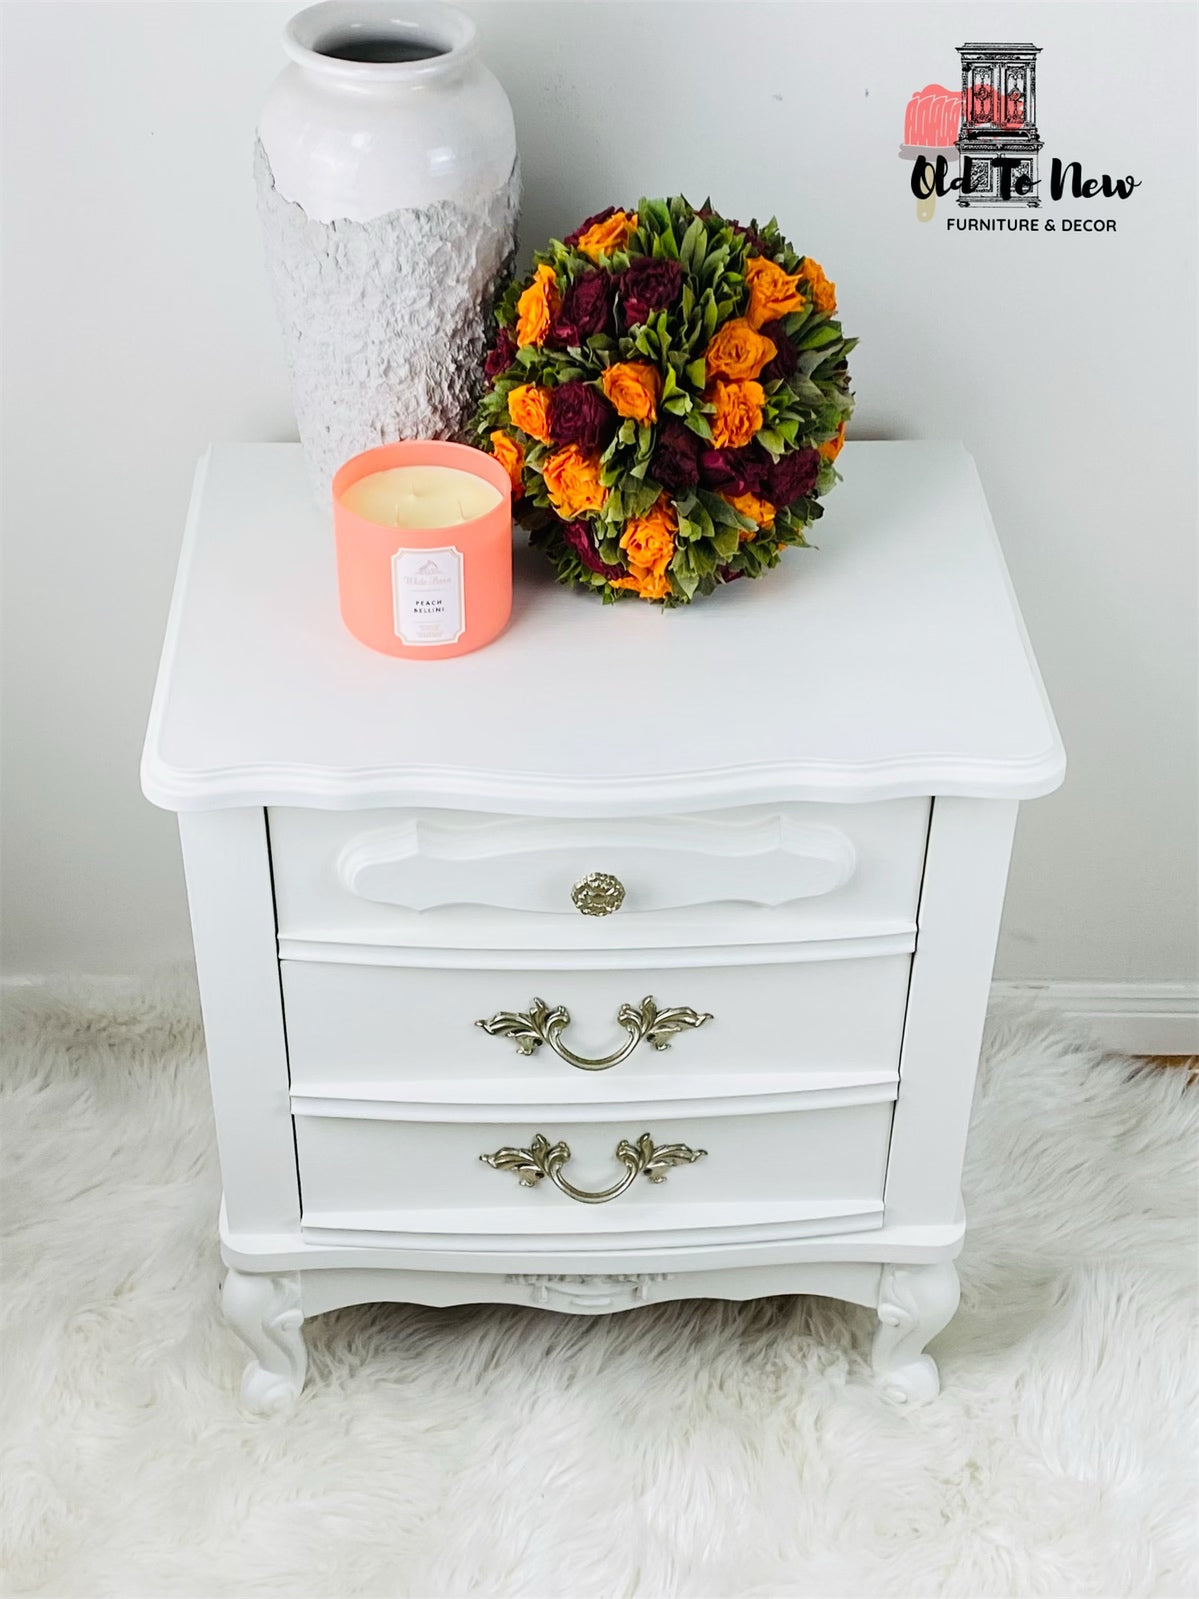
[427,591]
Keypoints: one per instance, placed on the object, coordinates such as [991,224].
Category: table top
[889,661]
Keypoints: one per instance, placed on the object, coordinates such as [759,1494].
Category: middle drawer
[831,1018]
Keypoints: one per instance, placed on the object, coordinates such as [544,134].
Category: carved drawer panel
[462,880]
[521,1034]
[555,1172]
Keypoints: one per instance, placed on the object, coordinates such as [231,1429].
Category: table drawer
[833,1017]
[558,1173]
[453,879]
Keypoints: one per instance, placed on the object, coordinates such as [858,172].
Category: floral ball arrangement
[668,392]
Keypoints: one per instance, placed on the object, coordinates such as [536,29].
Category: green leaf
[703,558]
[697,372]
[639,497]
[804,389]
[690,243]
[727,542]
[770,440]
[657,212]
[720,511]
[682,570]
[815,338]
[678,404]
[698,423]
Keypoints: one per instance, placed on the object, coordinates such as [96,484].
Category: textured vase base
[385,323]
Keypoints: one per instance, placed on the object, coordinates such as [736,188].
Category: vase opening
[379,48]
[379,40]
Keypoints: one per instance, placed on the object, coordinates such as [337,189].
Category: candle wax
[420,497]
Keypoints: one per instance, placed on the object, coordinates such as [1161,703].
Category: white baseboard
[1132,1018]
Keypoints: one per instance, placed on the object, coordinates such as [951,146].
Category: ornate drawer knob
[643,1158]
[598,894]
[539,1025]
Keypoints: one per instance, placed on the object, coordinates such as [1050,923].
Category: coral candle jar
[442,583]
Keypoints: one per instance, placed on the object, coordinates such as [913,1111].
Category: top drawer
[454,879]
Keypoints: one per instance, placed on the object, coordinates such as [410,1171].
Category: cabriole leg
[914,1304]
[263,1308]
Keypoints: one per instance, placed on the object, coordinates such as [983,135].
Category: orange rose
[649,585]
[634,388]
[608,236]
[831,448]
[758,510]
[739,351]
[738,412]
[537,307]
[529,408]
[824,293]
[648,540]
[572,478]
[510,456]
[772,292]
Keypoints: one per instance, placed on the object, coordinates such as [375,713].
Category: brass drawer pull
[543,1159]
[539,1025]
[598,894]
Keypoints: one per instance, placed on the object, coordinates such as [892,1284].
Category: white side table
[635,957]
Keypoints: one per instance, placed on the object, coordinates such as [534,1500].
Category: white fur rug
[698,1449]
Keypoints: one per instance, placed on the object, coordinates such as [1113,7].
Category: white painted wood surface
[380,855]
[889,662]
[400,1176]
[227,865]
[355,1028]
[756,874]
[969,846]
[586,1295]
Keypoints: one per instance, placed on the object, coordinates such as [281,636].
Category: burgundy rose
[578,537]
[753,238]
[786,356]
[792,477]
[501,355]
[586,310]
[647,286]
[675,462]
[579,414]
[600,216]
[734,471]
[728,574]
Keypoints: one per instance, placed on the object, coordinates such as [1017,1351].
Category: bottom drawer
[792,1169]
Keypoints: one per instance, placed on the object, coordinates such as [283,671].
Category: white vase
[388,189]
